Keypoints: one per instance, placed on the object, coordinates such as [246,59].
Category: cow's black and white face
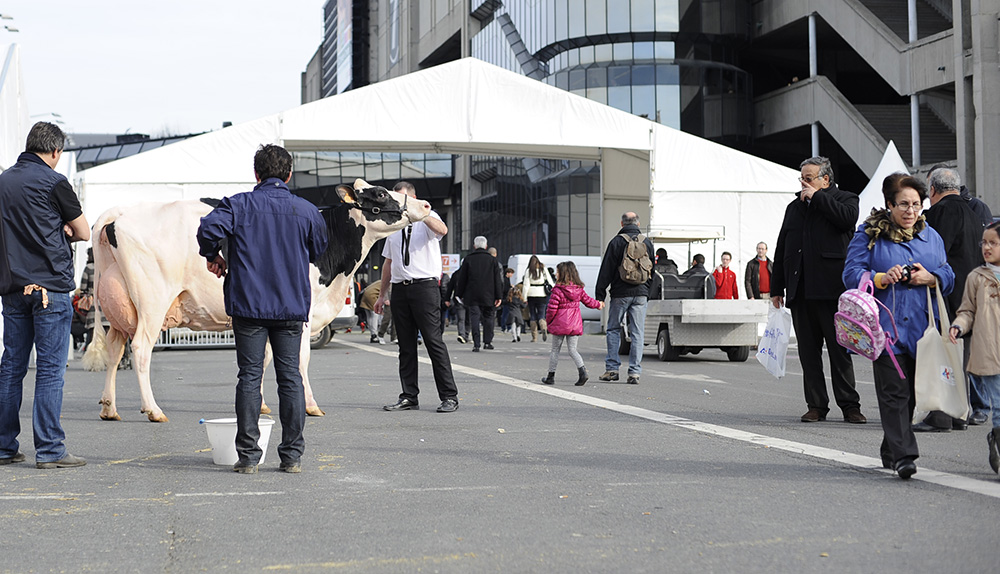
[365,216]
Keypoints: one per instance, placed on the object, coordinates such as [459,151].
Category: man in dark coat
[481,289]
[808,264]
[977,205]
[757,278]
[958,225]
[626,299]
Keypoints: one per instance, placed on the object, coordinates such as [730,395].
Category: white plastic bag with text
[774,345]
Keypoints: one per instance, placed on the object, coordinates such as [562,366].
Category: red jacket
[563,313]
[725,284]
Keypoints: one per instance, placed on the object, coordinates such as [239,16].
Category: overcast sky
[158,67]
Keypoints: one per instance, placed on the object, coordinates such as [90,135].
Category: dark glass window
[619,76]
[597,77]
[643,75]
[577,80]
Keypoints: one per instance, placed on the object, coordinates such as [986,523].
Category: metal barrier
[182,337]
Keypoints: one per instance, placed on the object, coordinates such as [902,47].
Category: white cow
[149,277]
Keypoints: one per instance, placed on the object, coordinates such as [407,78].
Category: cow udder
[116,304]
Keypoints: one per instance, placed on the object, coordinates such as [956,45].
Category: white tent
[13,106]
[467,107]
[872,196]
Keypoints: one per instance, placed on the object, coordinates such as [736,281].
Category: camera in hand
[907,271]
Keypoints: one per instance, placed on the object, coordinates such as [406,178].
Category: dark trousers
[417,307]
[895,406]
[813,322]
[252,336]
[485,315]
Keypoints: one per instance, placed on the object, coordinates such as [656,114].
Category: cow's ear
[347,193]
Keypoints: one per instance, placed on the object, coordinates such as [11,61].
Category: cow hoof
[111,417]
[265,410]
[314,411]
[162,418]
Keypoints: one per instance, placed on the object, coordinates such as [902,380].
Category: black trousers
[417,307]
[813,322]
[895,405]
[485,315]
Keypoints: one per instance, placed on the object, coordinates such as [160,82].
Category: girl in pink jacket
[563,318]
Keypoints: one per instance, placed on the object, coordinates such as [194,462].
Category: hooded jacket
[563,313]
[980,315]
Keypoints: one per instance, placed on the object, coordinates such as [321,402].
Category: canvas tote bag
[939,380]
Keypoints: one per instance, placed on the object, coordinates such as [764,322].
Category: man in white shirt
[413,266]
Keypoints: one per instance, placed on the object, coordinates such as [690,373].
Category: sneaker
[381,340]
[245,468]
[462,340]
[633,380]
[373,339]
[448,406]
[68,461]
[292,466]
[19,457]
[488,346]
[608,376]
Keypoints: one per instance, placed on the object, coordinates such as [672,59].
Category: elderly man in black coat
[808,264]
[481,290]
[961,230]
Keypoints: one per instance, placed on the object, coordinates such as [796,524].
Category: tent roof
[462,107]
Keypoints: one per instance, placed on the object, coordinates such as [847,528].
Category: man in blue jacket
[272,237]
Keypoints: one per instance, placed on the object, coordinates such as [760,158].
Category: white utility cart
[680,319]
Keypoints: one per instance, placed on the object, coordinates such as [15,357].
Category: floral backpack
[857,326]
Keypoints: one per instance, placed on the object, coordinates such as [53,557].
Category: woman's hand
[921,276]
[893,275]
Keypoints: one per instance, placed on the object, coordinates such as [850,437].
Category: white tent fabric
[871,196]
[13,106]
[468,107]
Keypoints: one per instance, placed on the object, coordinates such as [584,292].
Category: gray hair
[45,138]
[945,179]
[629,218]
[479,242]
[823,163]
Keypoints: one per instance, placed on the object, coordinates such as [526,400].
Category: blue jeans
[635,307]
[989,386]
[252,336]
[27,323]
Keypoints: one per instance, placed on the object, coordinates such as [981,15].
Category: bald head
[630,218]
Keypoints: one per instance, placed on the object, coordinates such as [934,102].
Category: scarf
[879,224]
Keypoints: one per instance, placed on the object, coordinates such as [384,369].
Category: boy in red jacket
[725,279]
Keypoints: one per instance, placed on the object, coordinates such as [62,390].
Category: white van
[588,266]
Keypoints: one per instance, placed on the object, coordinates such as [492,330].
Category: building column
[813,71]
[911,11]
[985,28]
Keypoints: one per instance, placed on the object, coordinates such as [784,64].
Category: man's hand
[496,303]
[808,190]
[379,303]
[777,301]
[217,266]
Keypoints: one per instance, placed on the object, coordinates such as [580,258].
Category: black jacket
[977,205]
[812,245]
[961,230]
[752,278]
[609,276]
[479,280]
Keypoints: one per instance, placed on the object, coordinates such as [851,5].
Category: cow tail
[96,357]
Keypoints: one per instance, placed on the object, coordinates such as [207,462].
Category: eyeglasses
[991,244]
[807,179]
[914,207]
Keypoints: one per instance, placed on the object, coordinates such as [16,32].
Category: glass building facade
[674,62]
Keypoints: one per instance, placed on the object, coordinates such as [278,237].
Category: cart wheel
[664,350]
[320,340]
[738,354]
[624,346]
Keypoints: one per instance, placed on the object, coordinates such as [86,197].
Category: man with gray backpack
[627,269]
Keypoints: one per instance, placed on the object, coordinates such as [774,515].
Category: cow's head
[367,214]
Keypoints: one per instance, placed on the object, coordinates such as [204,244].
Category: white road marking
[694,377]
[65,496]
[184,494]
[924,474]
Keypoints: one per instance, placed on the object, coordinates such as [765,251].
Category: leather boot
[550,379]
[534,331]
[583,376]
[543,327]
[993,439]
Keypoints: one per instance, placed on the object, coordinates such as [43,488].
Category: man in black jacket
[481,290]
[758,285]
[961,230]
[808,264]
[977,205]
[625,299]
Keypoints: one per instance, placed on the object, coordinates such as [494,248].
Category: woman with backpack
[564,319]
[905,256]
[536,279]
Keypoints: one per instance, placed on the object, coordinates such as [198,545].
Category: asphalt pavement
[702,467]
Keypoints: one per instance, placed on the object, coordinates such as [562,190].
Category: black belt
[412,281]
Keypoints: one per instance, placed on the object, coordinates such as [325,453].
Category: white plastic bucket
[222,435]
